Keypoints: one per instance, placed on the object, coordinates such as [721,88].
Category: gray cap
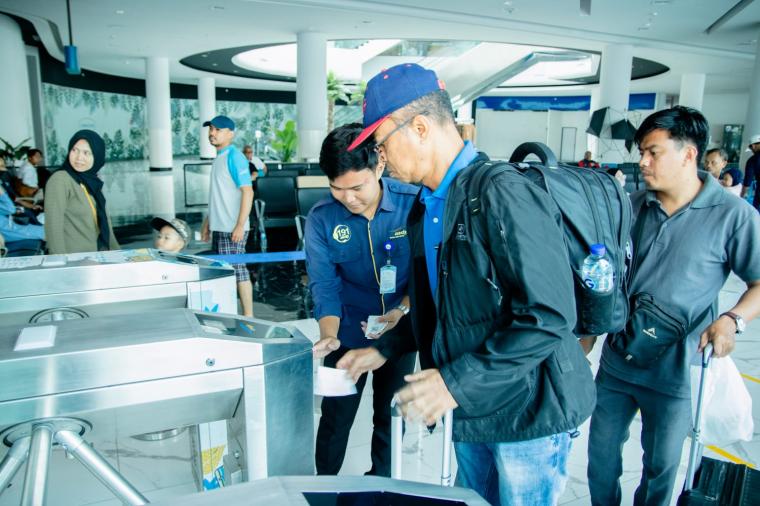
[180,226]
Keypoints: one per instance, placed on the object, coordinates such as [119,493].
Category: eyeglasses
[399,126]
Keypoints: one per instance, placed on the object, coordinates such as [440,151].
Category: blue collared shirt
[434,202]
[344,255]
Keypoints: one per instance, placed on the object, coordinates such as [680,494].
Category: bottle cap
[598,250]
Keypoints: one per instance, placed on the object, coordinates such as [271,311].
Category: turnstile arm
[13,460]
[35,480]
[100,467]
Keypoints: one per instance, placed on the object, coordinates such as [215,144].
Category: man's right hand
[325,346]
[205,233]
[357,362]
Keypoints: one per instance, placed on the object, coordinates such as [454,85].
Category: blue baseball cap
[392,89]
[221,122]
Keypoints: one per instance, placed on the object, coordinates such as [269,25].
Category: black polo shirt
[689,256]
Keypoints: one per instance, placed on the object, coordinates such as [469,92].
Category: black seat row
[290,169]
[280,203]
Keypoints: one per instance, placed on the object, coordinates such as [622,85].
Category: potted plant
[336,90]
[286,141]
[11,153]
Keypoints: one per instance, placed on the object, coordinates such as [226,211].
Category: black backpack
[595,209]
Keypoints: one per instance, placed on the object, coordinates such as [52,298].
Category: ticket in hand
[374,327]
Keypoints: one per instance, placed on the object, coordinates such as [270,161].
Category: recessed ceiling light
[235,71]
[214,64]
[120,11]
[204,55]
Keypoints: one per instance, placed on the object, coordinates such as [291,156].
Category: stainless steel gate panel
[128,374]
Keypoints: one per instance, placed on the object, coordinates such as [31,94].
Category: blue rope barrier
[260,258]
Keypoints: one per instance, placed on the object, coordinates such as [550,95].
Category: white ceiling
[114,36]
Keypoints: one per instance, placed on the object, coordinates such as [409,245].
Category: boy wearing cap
[752,170]
[173,235]
[230,201]
[492,306]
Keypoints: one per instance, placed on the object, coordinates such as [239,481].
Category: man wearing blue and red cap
[491,298]
[229,204]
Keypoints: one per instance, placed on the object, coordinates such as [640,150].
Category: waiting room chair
[307,198]
[283,173]
[275,204]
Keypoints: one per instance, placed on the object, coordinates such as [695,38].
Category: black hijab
[91,180]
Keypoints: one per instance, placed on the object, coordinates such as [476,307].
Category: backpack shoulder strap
[482,175]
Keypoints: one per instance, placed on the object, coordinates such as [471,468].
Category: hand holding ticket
[374,327]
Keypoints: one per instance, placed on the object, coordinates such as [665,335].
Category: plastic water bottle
[598,273]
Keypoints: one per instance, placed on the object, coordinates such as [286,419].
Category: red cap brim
[366,133]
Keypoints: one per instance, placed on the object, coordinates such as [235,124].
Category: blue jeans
[524,473]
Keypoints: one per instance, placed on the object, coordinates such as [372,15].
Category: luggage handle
[541,150]
[397,433]
[691,470]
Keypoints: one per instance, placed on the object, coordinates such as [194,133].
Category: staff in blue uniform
[357,259]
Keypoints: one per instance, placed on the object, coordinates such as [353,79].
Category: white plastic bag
[727,405]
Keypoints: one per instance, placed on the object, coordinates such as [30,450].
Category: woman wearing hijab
[76,219]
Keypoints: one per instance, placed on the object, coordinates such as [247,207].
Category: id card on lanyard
[388,273]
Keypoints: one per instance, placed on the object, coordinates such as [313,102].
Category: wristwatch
[404,309]
[740,324]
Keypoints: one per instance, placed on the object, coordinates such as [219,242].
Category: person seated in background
[732,181]
[255,164]
[588,162]
[716,160]
[173,235]
[6,180]
[15,225]
[28,183]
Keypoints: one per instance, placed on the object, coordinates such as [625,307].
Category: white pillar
[614,90]
[592,141]
[752,123]
[206,111]
[311,94]
[692,91]
[15,98]
[159,136]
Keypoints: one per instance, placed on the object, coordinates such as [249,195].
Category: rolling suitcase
[397,424]
[716,482]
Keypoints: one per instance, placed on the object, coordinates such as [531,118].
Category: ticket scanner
[80,285]
[76,382]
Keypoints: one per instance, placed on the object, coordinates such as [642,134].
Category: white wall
[557,120]
[726,108]
[500,132]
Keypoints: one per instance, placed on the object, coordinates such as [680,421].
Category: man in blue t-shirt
[357,258]
[229,205]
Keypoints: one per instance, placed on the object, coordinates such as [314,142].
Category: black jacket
[502,337]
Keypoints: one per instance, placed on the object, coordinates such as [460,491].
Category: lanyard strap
[92,204]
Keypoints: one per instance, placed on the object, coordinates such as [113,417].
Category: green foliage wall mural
[122,121]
